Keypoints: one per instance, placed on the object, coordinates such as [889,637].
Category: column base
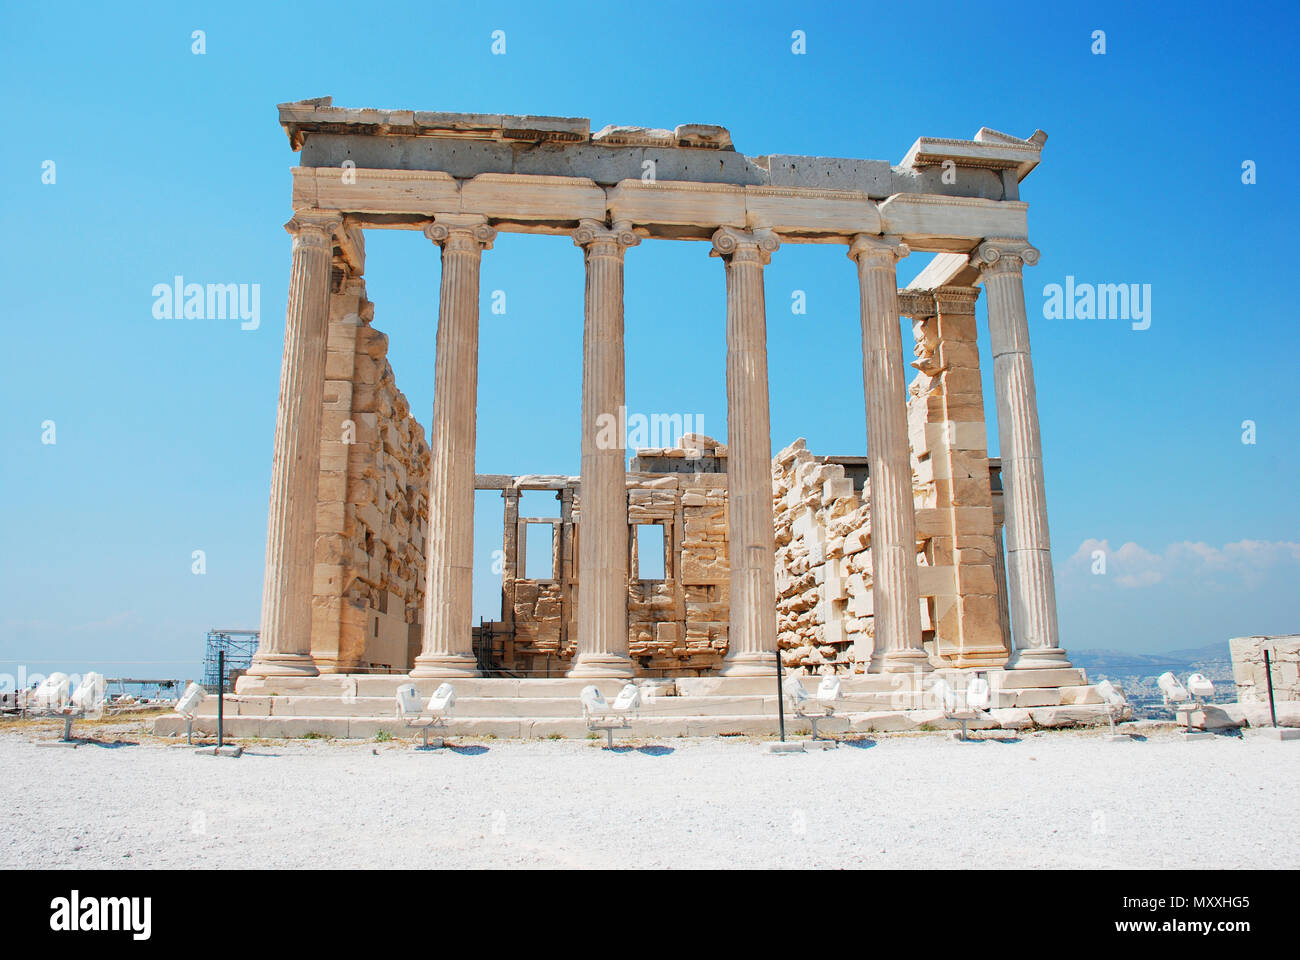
[445,665]
[324,667]
[749,665]
[600,665]
[903,661]
[282,665]
[1038,658]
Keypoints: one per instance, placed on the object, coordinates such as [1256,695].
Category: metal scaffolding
[239,647]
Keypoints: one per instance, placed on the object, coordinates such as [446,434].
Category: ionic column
[602,544]
[895,593]
[1030,581]
[447,649]
[751,644]
[284,646]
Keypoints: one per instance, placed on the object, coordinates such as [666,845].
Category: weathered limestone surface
[603,551]
[285,642]
[946,429]
[1248,668]
[464,144]
[447,646]
[895,593]
[1031,581]
[825,614]
[752,635]
[372,514]
[678,623]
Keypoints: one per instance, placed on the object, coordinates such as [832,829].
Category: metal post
[221,698]
[1268,673]
[780,694]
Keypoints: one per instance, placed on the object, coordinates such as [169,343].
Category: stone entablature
[467,144]
[545,174]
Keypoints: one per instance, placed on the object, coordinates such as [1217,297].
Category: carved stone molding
[314,228]
[1000,254]
[739,245]
[597,239]
[458,231]
[878,251]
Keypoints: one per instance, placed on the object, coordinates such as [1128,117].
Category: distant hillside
[1147,664]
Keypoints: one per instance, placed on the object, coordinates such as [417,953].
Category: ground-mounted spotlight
[817,707]
[413,712]
[188,707]
[1115,704]
[601,715]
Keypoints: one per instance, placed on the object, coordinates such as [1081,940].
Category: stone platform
[361,706]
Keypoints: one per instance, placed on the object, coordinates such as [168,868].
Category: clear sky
[168,162]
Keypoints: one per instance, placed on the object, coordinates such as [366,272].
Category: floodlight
[601,716]
[443,699]
[944,694]
[411,710]
[1115,703]
[1174,691]
[794,689]
[1199,686]
[188,707]
[628,699]
[88,698]
[409,703]
[828,691]
[593,703]
[978,694]
[188,704]
[51,693]
[1108,693]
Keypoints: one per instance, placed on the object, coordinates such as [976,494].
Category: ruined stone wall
[951,476]
[372,505]
[823,564]
[1248,667]
[823,526]
[677,624]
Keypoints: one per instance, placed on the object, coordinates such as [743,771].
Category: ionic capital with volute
[745,245]
[458,232]
[1003,254]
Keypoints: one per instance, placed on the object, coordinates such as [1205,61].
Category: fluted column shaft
[751,645]
[284,645]
[447,649]
[602,540]
[895,592]
[1031,584]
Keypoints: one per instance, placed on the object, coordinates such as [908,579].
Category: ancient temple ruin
[886,565]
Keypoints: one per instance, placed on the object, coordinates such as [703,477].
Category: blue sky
[172,163]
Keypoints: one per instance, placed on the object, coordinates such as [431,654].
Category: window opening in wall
[651,551]
[539,550]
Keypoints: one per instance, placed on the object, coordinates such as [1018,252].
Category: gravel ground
[1057,799]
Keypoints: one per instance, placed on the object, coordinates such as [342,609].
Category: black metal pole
[221,698]
[1268,674]
[780,696]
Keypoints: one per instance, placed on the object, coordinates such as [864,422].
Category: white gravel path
[1052,800]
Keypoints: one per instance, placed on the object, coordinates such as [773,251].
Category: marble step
[311,706]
